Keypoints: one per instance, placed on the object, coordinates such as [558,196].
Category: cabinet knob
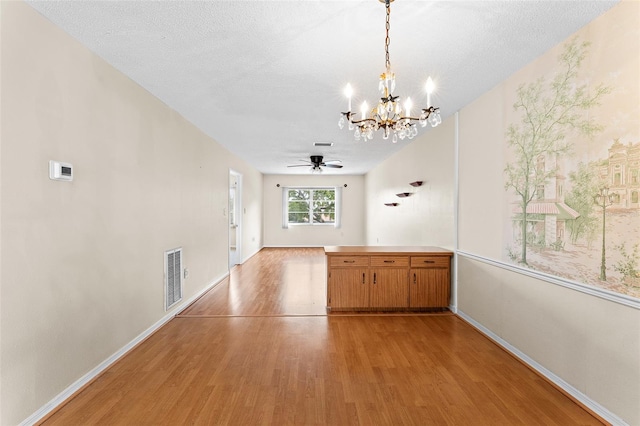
[414,279]
[374,278]
[429,261]
[349,261]
[389,261]
[363,278]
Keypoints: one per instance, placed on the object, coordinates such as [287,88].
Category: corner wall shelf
[416,183]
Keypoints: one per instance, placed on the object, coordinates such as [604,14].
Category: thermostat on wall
[60,171]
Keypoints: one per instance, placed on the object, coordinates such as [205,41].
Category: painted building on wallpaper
[621,172]
[547,213]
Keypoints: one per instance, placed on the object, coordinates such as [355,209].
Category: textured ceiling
[265,78]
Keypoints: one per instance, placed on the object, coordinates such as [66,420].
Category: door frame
[238,214]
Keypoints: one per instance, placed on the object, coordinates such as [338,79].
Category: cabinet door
[349,287]
[429,288]
[389,288]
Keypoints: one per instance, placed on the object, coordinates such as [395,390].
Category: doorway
[235,218]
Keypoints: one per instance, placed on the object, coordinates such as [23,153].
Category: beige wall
[83,275]
[590,343]
[350,233]
[427,217]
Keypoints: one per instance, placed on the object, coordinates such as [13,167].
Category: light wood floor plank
[260,350]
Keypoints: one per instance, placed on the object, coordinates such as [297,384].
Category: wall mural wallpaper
[572,173]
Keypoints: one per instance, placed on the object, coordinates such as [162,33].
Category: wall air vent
[323,144]
[172,277]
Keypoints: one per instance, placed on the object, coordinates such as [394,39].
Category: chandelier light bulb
[430,87]
[407,106]
[364,109]
[348,92]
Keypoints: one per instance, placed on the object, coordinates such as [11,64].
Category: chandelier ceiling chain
[387,40]
[389,115]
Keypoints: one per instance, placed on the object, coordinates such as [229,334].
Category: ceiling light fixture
[388,115]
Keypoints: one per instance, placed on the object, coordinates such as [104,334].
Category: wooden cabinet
[389,288]
[387,278]
[348,279]
[430,278]
[349,287]
[429,288]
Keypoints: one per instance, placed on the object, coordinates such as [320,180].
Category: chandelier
[389,115]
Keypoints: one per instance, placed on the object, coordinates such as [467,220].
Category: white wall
[350,233]
[427,217]
[82,261]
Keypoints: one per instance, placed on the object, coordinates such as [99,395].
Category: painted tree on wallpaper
[572,170]
[548,111]
[585,184]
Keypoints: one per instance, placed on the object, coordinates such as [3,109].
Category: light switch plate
[60,171]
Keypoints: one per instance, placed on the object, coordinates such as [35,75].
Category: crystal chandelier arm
[364,120]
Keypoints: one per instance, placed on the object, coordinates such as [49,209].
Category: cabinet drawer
[430,261]
[348,261]
[390,261]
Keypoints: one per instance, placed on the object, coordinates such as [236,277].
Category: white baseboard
[87,378]
[296,246]
[557,380]
[251,255]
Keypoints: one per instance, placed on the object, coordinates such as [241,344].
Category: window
[540,192]
[310,206]
[634,197]
[540,164]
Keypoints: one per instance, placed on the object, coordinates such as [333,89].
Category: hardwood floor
[260,350]
[277,281]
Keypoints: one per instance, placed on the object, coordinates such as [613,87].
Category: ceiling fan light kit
[389,115]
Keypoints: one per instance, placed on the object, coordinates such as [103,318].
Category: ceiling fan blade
[300,165]
[334,166]
[332,161]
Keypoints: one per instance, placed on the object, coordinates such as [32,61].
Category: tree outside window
[311,206]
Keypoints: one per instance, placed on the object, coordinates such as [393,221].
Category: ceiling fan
[316,163]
